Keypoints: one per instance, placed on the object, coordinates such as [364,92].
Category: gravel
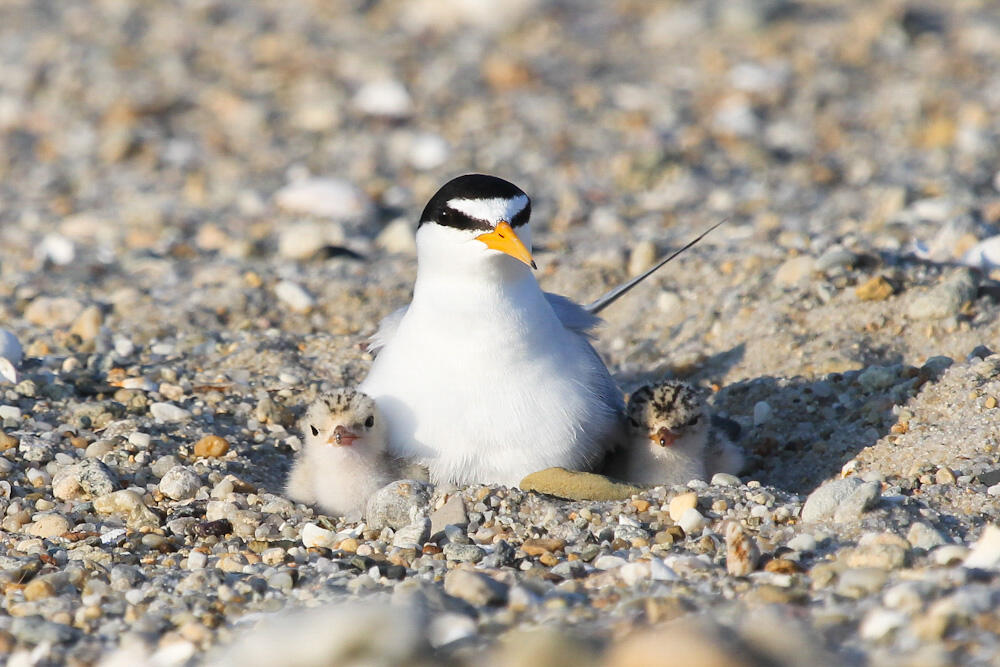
[205,209]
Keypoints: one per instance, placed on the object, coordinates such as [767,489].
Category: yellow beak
[505,240]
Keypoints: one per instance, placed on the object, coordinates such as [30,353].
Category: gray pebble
[397,504]
[469,553]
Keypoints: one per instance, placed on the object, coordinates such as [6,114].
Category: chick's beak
[342,437]
[505,240]
[663,437]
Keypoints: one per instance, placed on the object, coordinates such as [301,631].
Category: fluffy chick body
[344,460]
[672,439]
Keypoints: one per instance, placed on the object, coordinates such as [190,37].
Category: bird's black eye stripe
[522,217]
[315,431]
[369,422]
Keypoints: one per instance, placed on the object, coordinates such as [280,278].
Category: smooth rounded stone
[48,525]
[467,553]
[835,257]
[725,479]
[52,312]
[762,413]
[88,323]
[886,550]
[681,503]
[876,378]
[428,151]
[874,289]
[11,355]
[164,464]
[908,596]
[294,296]
[168,412]
[197,560]
[985,553]
[794,271]
[475,588]
[398,237]
[38,589]
[211,446]
[858,502]
[538,546]
[642,256]
[99,448]
[451,513]
[180,483]
[332,198]
[413,535]
[878,623]
[36,630]
[945,299]
[384,97]
[87,478]
[924,536]
[129,505]
[859,582]
[803,543]
[577,485]
[11,412]
[302,240]
[352,633]
[692,521]
[609,562]
[823,502]
[397,504]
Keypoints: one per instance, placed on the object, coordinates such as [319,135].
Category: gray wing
[573,316]
[386,329]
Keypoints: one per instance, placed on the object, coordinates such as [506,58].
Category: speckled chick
[672,439]
[344,459]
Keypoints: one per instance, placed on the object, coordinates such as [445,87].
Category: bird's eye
[369,422]
[315,431]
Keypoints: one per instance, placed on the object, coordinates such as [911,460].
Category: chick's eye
[315,431]
[369,422]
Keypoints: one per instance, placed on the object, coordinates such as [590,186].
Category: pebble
[86,479]
[331,198]
[692,521]
[386,98]
[53,312]
[642,256]
[794,271]
[725,479]
[127,504]
[945,299]
[742,552]
[859,501]
[875,289]
[428,151]
[824,501]
[304,239]
[180,483]
[398,237]
[681,503]
[985,553]
[211,446]
[295,296]
[452,512]
[168,412]
[413,535]
[88,323]
[576,485]
[475,588]
[466,553]
[397,504]
[880,622]
[762,412]
[10,348]
[48,525]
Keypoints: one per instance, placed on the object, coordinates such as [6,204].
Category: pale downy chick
[671,439]
[344,459]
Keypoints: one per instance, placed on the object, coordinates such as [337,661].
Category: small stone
[823,502]
[294,296]
[38,589]
[427,151]
[949,554]
[53,312]
[540,545]
[692,521]
[885,551]
[397,505]
[452,513]
[762,413]
[180,483]
[858,582]
[985,553]
[742,552]
[725,479]
[880,622]
[349,545]
[576,485]
[875,289]
[682,503]
[944,475]
[88,323]
[36,630]
[86,479]
[924,536]
[48,525]
[387,98]
[877,378]
[332,198]
[609,562]
[858,502]
[475,588]
[794,271]
[468,553]
[642,257]
[211,446]
[168,412]
[414,535]
[945,299]
[397,237]
[129,505]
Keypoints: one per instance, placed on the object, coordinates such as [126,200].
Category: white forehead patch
[490,210]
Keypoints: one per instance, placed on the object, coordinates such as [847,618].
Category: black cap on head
[472,186]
